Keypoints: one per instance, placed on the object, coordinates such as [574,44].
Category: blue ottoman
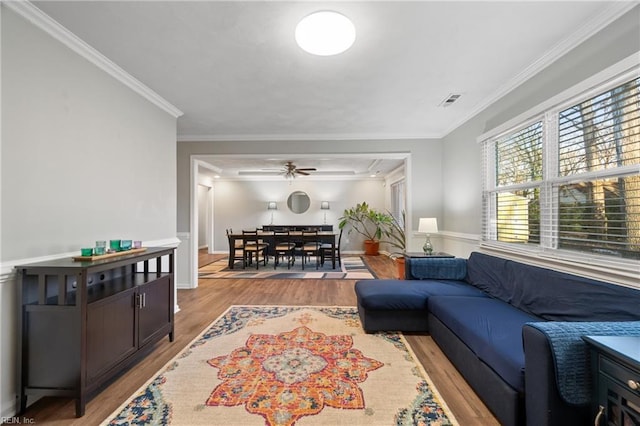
[401,305]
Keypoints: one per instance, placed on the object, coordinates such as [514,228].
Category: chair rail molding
[459,236]
[185,279]
[459,244]
[8,267]
[8,272]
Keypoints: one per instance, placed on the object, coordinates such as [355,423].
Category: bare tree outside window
[589,199]
[601,133]
[519,162]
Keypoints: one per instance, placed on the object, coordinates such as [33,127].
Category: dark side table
[416,254]
[615,367]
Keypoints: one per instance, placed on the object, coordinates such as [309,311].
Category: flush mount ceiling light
[325,33]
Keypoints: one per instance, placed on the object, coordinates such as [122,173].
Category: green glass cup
[114,245]
[86,252]
[99,250]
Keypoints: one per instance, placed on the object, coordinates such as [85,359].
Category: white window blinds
[599,183]
[515,198]
[569,180]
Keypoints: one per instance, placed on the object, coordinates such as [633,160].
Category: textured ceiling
[235,71]
[332,166]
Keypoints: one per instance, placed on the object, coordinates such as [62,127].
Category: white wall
[83,158]
[424,175]
[203,192]
[243,204]
[462,183]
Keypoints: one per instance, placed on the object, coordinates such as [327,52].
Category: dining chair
[283,247]
[253,245]
[310,247]
[238,248]
[326,250]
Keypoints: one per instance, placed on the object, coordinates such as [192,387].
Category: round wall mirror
[298,202]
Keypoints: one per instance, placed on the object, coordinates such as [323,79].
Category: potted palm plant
[395,236]
[369,223]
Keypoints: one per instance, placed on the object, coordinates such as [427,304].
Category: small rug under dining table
[352,268]
[289,365]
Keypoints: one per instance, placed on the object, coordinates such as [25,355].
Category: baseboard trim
[8,267]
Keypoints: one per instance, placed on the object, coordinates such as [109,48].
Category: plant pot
[400,266]
[371,247]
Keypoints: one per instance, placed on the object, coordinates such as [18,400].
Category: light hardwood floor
[200,306]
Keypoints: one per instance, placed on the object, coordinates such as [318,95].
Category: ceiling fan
[290,170]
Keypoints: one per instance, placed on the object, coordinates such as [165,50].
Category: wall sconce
[428,225]
[271,205]
[324,205]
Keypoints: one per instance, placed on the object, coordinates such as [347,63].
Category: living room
[86,156]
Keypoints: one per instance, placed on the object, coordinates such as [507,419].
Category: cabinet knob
[633,384]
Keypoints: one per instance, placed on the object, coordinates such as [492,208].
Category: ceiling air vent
[451,98]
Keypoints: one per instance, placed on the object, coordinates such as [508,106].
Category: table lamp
[324,205]
[271,205]
[428,225]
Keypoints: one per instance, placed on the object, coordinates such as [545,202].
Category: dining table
[269,237]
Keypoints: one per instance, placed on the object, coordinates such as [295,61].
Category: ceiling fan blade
[302,173]
[310,169]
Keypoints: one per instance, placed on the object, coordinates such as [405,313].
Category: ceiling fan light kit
[325,33]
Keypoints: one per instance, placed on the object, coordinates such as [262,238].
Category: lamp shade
[271,205]
[428,225]
[324,205]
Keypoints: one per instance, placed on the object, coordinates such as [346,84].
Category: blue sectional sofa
[512,330]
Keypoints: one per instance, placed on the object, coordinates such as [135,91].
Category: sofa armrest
[557,367]
[544,405]
[435,268]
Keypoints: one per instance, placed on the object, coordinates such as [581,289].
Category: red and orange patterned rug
[286,365]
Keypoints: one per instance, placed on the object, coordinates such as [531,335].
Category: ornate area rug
[286,365]
[353,268]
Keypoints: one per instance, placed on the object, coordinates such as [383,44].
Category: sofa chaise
[514,331]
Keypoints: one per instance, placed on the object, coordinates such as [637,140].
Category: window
[515,202]
[568,180]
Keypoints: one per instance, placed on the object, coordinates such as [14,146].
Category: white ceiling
[235,71]
[329,167]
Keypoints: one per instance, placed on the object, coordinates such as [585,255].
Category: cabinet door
[155,314]
[621,406]
[111,333]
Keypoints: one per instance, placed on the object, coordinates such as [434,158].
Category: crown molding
[44,22]
[310,178]
[612,76]
[38,18]
[588,29]
[306,137]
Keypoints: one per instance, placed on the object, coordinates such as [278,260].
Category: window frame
[398,195]
[546,252]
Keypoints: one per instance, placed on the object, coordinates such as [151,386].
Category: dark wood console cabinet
[615,366]
[82,323]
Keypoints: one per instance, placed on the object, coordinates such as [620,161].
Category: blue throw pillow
[425,268]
